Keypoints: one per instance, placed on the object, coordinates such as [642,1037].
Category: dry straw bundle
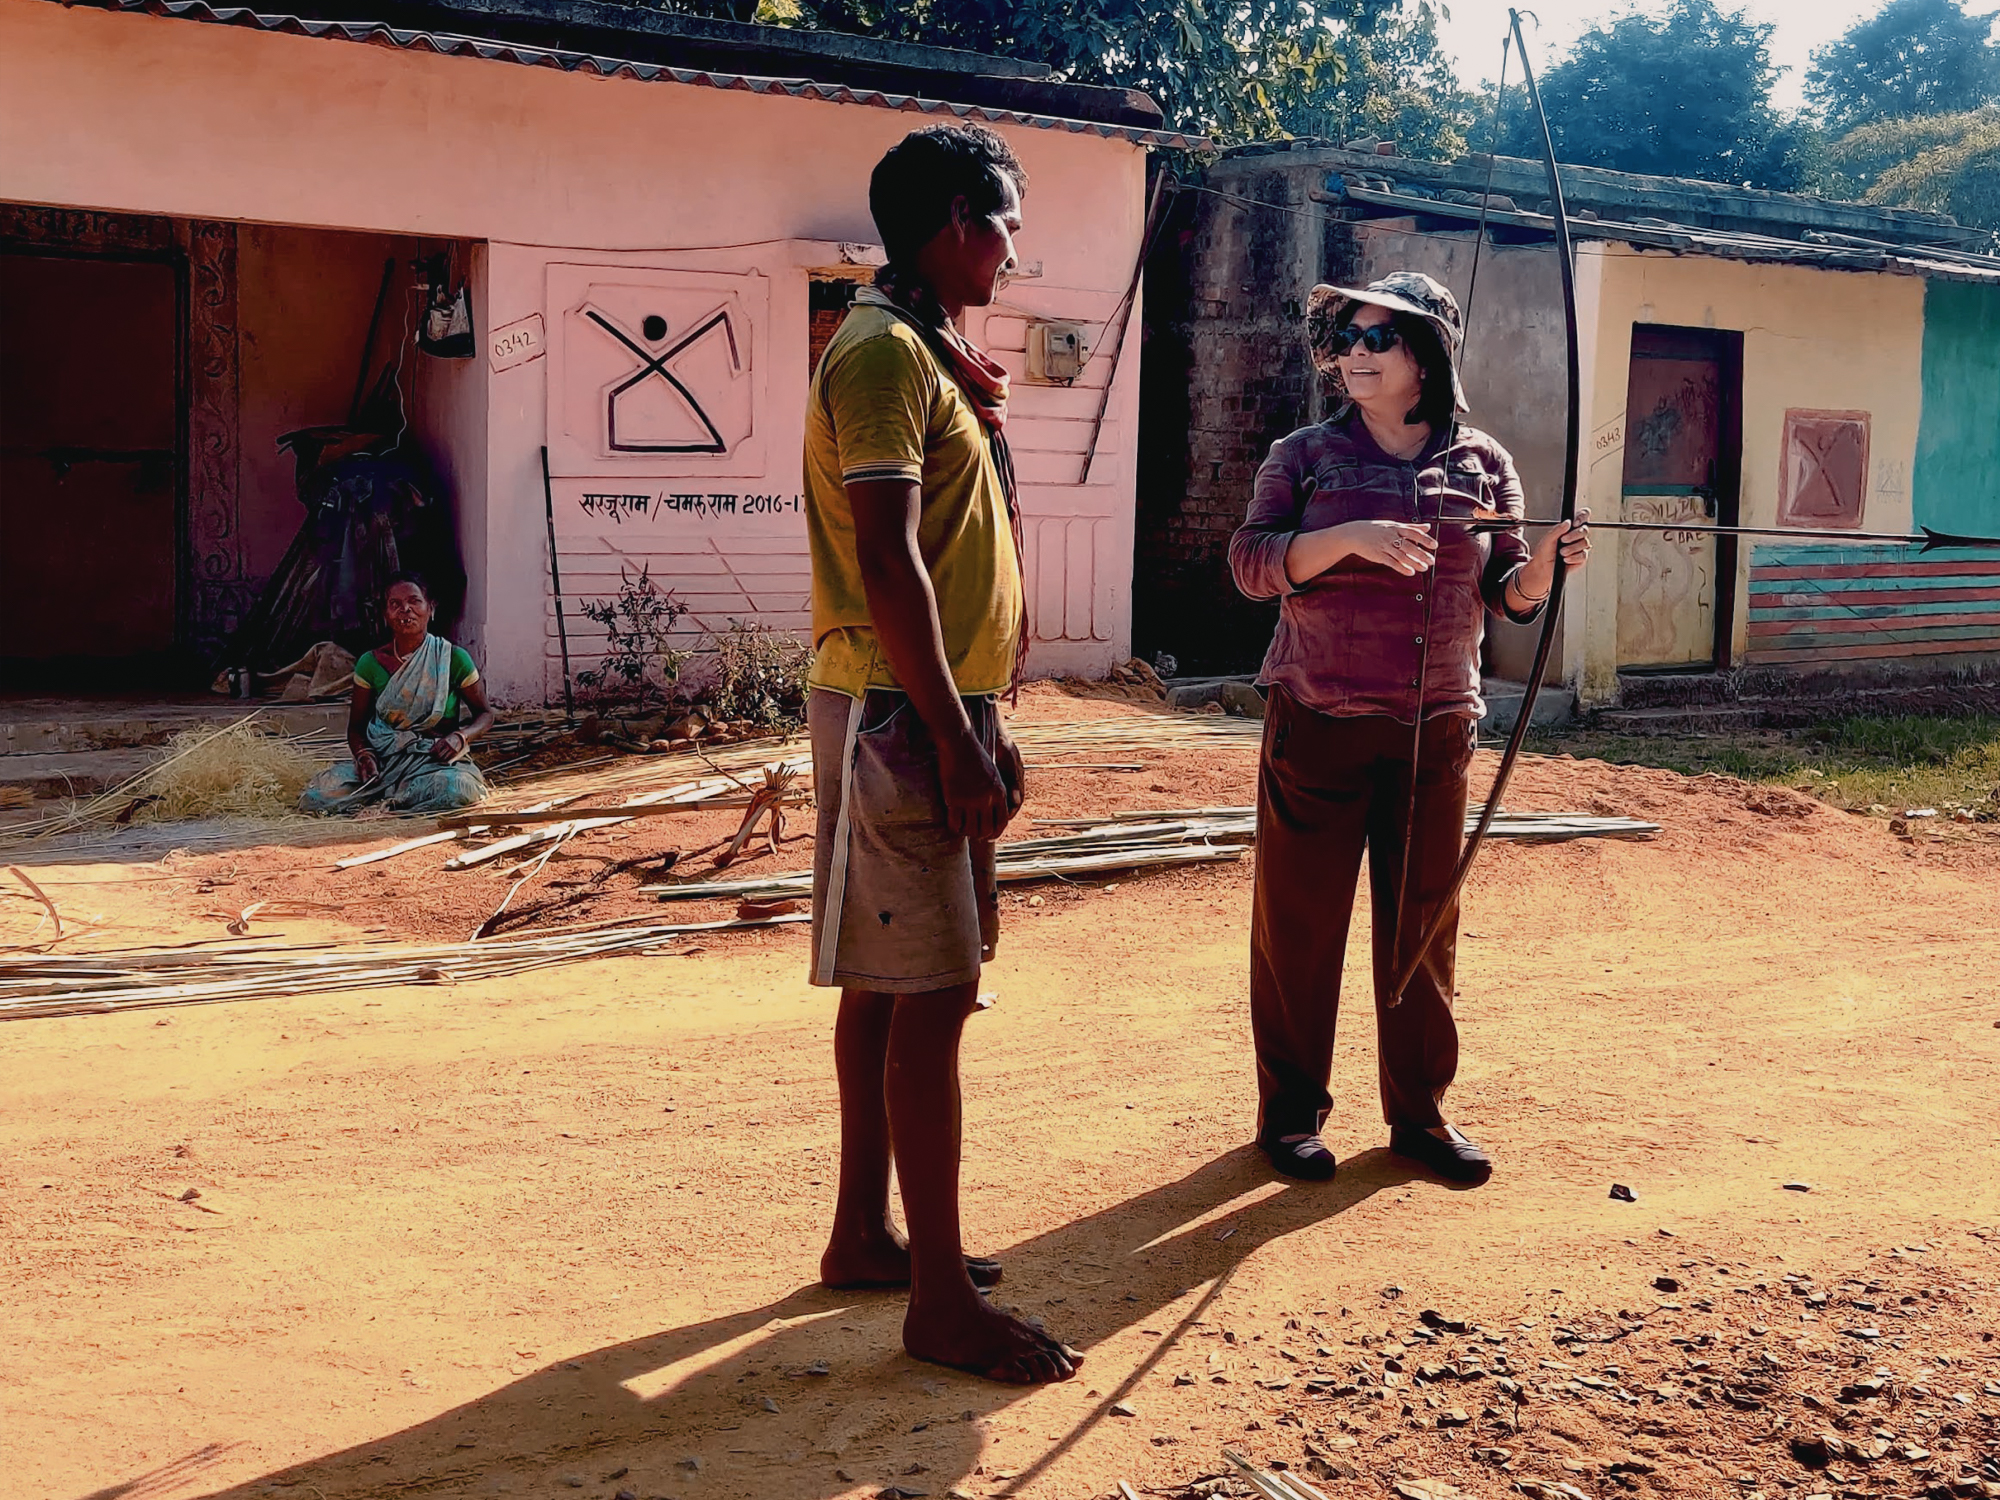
[239,772]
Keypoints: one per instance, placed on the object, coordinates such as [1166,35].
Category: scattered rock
[190,1195]
[1454,1417]
[1623,1194]
[1666,1284]
[1426,1489]
[574,1481]
[1120,1409]
[1549,1489]
[1798,1187]
[767,1403]
[691,1463]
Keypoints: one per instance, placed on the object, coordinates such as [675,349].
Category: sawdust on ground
[555,1235]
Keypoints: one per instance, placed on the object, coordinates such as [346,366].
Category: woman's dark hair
[1435,403]
[414,580]
[914,186]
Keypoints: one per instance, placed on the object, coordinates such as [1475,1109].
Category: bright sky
[1472,35]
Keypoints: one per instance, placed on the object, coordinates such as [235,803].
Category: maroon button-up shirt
[1351,640]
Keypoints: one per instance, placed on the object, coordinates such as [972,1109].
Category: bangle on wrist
[1528,598]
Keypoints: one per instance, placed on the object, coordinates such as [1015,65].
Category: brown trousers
[1326,788]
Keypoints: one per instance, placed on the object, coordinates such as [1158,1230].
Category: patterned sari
[408,715]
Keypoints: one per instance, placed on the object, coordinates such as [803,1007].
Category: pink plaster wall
[447,412]
[284,129]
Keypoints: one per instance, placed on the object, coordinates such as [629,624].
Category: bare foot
[984,1341]
[865,1264]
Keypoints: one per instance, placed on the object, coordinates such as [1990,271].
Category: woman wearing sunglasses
[1381,614]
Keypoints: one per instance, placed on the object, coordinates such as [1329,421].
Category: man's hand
[366,765]
[977,800]
[1012,771]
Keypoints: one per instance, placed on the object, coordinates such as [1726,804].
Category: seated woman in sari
[418,702]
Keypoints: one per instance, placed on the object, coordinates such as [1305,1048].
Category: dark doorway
[90,472]
[1683,462]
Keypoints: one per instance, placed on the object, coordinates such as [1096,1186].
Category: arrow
[1925,537]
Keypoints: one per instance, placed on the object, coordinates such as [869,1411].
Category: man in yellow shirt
[918,627]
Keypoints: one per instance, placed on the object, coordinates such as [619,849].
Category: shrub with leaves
[759,674]
[641,664]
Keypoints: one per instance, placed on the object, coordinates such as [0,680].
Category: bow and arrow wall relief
[656,372]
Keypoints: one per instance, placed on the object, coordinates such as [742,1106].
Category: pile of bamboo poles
[1116,845]
[1142,840]
[1518,827]
[1161,733]
[135,979]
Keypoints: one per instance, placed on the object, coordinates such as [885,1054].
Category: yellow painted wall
[1829,340]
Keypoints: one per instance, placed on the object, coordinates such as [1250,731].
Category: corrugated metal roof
[1931,262]
[445,44]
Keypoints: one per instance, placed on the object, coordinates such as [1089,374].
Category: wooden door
[1682,445]
[89,470]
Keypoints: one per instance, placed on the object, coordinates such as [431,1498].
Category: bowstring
[1437,528]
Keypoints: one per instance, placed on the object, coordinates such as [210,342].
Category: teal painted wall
[1956,486]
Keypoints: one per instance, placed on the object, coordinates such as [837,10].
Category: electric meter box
[1056,352]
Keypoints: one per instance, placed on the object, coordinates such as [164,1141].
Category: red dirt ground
[555,1235]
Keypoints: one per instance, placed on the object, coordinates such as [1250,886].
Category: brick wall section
[1226,374]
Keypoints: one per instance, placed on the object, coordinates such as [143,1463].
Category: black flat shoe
[1456,1160]
[1302,1156]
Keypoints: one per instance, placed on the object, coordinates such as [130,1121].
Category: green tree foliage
[1911,58]
[1231,67]
[1945,163]
[1393,82]
[1684,93]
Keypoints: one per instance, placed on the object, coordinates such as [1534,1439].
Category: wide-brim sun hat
[1411,293]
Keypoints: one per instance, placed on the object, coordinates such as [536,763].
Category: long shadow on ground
[687,1411]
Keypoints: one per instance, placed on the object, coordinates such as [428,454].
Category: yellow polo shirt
[883,408]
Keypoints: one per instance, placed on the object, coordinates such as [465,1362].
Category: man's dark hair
[913,187]
[1435,402]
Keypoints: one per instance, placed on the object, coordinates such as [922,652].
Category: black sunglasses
[1377,338]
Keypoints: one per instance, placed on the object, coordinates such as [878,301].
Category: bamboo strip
[405,847]
[113,981]
[625,810]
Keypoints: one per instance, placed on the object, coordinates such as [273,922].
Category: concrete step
[1638,690]
[65,727]
[1553,706]
[82,773]
[1237,695]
